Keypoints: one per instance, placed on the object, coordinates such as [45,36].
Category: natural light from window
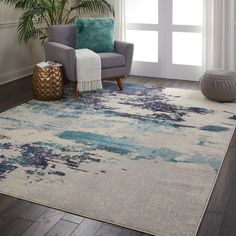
[187,12]
[187,48]
[146,44]
[142,11]
[167,36]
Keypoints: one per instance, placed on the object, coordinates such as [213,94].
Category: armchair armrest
[127,50]
[64,55]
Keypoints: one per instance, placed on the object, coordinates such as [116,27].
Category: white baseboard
[11,76]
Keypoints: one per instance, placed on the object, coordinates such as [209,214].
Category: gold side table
[48,83]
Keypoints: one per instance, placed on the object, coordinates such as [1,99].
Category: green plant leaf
[38,15]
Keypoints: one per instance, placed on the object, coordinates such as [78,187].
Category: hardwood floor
[15,93]
[18,217]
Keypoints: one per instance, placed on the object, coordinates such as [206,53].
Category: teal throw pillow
[96,34]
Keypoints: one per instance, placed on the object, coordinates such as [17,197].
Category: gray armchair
[61,45]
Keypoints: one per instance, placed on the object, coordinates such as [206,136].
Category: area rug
[146,158]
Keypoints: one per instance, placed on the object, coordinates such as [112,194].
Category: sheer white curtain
[218,35]
[119,6]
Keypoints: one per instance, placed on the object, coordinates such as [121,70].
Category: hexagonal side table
[48,83]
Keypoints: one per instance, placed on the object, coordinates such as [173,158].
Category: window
[167,35]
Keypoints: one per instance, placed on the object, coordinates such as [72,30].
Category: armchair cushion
[63,34]
[110,60]
[96,34]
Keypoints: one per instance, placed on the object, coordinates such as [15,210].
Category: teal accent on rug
[110,155]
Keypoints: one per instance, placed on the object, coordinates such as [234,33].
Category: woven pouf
[219,85]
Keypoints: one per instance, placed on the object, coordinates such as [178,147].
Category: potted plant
[38,15]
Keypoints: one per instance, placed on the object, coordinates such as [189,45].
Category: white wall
[16,59]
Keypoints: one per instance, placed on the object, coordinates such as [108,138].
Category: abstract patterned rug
[146,158]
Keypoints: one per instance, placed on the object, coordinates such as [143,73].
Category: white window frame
[164,67]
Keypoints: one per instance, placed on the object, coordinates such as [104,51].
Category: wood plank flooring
[14,93]
[18,217]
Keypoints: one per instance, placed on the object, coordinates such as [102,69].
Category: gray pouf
[219,85]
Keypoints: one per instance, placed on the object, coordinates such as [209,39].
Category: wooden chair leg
[120,84]
[77,93]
